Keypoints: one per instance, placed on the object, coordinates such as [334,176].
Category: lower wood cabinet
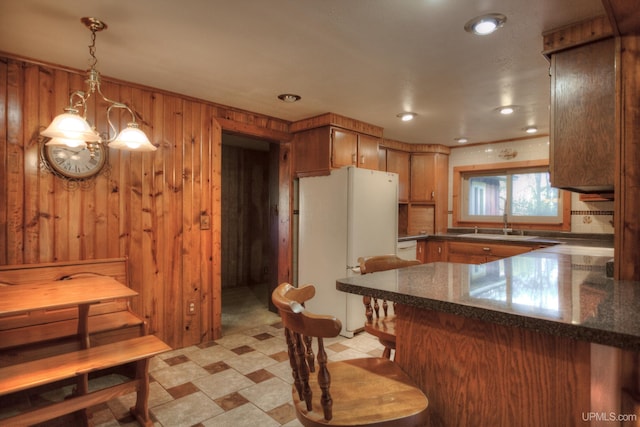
[479,253]
[432,251]
[468,252]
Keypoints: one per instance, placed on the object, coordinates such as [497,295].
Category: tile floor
[242,379]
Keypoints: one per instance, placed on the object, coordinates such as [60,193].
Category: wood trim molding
[577,34]
[332,119]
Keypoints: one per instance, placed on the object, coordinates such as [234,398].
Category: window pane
[532,195]
[487,195]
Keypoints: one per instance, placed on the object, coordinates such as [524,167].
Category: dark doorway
[245,241]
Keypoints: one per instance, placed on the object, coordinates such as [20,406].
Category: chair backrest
[384,262]
[380,263]
[300,327]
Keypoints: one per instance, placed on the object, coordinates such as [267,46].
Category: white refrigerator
[342,216]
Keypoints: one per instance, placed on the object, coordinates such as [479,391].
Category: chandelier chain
[92,49]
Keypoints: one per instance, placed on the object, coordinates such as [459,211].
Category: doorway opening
[246,250]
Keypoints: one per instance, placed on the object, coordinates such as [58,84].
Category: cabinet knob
[486,249]
[354,159]
[433,195]
[362,160]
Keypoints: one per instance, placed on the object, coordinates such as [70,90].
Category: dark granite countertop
[561,290]
[527,238]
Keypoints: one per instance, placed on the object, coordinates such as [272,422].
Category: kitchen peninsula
[542,338]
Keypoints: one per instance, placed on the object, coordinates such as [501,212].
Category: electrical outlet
[191,307]
[205,222]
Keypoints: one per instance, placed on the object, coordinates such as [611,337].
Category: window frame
[508,167]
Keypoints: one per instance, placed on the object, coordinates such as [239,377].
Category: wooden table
[80,291]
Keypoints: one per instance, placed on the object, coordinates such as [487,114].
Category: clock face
[75,163]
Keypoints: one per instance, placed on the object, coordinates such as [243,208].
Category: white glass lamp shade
[72,143]
[132,139]
[70,125]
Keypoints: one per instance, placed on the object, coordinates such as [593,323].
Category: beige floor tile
[186,411]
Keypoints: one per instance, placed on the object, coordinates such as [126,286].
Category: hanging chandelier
[72,128]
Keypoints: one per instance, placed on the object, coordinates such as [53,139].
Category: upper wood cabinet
[344,148]
[582,134]
[367,152]
[399,162]
[318,150]
[429,172]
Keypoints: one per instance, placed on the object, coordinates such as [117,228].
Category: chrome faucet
[506,230]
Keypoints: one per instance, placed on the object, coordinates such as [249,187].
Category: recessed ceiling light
[289,97]
[461,140]
[531,129]
[485,24]
[507,109]
[405,117]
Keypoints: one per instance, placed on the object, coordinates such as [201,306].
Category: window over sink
[518,195]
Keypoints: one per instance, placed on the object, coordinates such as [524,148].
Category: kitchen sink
[498,236]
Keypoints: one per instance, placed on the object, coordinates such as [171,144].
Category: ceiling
[364,59]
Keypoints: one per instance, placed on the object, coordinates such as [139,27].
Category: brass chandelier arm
[74,130]
[111,125]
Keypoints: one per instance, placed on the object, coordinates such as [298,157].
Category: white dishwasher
[407,249]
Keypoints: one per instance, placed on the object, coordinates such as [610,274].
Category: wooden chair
[370,391]
[381,325]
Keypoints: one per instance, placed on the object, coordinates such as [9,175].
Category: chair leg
[386,353]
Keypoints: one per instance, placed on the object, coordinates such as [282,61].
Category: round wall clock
[75,163]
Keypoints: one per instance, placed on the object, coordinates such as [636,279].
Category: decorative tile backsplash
[586,217]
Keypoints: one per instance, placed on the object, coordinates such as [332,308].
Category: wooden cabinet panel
[382,159]
[399,162]
[582,140]
[344,148]
[435,251]
[429,172]
[421,251]
[312,152]
[318,150]
[429,184]
[421,219]
[423,177]
[368,152]
[480,252]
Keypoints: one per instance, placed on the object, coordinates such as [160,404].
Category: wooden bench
[78,365]
[49,347]
[48,332]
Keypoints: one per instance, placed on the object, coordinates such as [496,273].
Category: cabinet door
[421,220]
[421,251]
[344,146]
[312,152]
[398,162]
[382,159]
[582,140]
[436,251]
[422,177]
[368,152]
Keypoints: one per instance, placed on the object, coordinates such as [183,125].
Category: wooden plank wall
[146,206]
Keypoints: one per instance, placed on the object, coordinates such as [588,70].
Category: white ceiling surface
[364,59]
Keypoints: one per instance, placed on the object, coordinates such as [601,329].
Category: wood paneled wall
[145,206]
